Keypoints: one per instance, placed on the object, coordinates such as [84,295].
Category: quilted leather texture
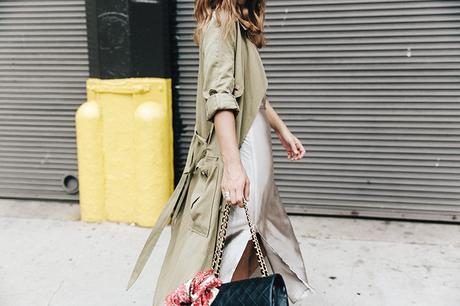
[258,291]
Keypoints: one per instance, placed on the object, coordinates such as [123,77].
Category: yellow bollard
[136,149]
[150,158]
[90,161]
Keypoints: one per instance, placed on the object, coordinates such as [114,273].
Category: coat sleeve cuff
[220,101]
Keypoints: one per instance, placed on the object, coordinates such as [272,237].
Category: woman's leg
[248,261]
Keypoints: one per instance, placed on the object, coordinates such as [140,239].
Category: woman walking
[229,161]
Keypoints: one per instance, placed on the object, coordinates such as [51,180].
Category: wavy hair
[251,13]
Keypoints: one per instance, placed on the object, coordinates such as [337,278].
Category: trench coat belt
[198,147]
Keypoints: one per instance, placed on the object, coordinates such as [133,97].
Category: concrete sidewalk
[49,258]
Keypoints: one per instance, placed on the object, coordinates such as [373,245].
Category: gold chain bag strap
[217,258]
[268,290]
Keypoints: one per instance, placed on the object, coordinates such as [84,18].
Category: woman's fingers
[294,150]
[234,181]
[290,150]
[233,197]
[246,189]
[239,197]
[226,195]
[302,149]
[297,154]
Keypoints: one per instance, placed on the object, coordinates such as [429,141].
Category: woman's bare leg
[248,262]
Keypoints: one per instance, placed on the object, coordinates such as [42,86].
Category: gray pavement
[50,258]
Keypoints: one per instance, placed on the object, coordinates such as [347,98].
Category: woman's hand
[292,144]
[235,182]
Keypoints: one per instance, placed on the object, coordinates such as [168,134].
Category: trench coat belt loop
[199,145]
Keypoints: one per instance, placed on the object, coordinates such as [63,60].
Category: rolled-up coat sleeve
[218,71]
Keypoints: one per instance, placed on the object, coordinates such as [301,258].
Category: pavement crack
[55,292]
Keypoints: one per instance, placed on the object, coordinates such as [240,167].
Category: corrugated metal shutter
[372,89]
[43,69]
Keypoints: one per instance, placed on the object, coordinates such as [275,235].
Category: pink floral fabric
[201,290]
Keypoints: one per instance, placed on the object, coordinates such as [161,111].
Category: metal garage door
[43,69]
[372,88]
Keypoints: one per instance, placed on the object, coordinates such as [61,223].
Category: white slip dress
[270,219]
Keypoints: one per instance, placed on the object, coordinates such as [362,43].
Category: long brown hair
[251,13]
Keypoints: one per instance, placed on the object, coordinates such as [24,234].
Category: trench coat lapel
[251,84]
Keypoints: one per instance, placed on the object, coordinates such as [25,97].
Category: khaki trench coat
[231,76]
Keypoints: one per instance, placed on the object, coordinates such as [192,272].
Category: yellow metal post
[135,125]
[90,162]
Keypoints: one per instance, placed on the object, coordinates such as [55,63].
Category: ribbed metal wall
[372,88]
[43,69]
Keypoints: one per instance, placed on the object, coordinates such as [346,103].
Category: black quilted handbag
[268,290]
